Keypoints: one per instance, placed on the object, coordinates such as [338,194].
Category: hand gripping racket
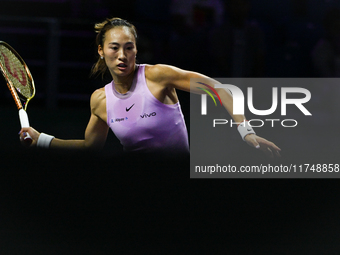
[19,81]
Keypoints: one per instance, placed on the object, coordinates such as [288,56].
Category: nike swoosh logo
[128,109]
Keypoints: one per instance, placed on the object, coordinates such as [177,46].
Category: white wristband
[245,129]
[44,140]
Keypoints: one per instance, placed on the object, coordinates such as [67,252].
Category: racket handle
[25,123]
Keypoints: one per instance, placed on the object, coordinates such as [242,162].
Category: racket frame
[17,96]
[20,100]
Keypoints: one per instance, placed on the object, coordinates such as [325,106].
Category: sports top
[141,122]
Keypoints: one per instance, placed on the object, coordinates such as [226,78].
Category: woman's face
[119,51]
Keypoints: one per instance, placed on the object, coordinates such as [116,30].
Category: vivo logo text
[145,115]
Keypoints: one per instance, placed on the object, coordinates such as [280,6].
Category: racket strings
[16,73]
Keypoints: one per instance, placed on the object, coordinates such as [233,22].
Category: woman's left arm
[175,78]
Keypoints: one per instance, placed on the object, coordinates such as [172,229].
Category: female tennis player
[140,105]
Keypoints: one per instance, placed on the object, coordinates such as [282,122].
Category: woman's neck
[123,83]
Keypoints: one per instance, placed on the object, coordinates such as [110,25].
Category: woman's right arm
[95,133]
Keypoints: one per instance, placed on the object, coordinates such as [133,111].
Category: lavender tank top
[141,122]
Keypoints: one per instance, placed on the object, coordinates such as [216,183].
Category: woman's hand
[269,148]
[32,132]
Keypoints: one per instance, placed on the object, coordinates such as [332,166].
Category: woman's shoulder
[159,68]
[98,98]
[98,94]
[160,71]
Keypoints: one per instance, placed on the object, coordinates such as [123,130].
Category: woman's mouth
[122,66]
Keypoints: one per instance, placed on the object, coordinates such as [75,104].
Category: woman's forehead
[121,33]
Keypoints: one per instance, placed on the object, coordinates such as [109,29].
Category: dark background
[55,202]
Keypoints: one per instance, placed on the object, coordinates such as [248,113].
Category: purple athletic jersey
[141,122]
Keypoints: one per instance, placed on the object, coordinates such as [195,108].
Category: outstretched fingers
[269,148]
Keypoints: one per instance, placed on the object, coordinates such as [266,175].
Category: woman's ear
[100,51]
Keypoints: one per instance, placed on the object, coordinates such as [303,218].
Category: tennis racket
[19,81]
